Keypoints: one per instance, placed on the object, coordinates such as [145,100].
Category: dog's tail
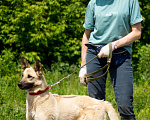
[110,110]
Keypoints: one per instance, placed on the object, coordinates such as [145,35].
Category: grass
[12,99]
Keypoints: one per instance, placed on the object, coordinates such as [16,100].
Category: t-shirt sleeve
[135,13]
[89,17]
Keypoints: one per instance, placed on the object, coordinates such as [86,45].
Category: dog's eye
[29,76]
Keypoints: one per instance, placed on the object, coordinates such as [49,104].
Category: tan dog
[43,105]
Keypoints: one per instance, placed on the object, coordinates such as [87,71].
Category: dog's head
[32,77]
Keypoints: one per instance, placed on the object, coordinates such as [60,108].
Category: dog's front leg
[28,113]
[29,116]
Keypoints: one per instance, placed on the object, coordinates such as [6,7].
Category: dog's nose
[19,84]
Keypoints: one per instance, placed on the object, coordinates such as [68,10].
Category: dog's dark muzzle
[25,86]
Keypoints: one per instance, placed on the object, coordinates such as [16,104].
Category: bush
[7,64]
[46,29]
[143,67]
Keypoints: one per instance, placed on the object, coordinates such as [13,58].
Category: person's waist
[116,52]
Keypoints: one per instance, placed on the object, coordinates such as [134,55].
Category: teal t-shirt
[111,20]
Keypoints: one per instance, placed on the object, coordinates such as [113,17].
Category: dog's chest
[40,108]
[31,113]
[40,115]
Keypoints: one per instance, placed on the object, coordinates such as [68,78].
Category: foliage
[49,28]
[143,70]
[6,63]
[142,80]
[145,11]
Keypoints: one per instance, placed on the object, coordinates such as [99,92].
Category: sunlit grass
[12,99]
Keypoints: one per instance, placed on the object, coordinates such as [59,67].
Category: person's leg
[96,89]
[122,78]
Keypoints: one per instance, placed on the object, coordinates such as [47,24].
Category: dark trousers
[122,78]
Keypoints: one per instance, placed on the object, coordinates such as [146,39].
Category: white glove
[82,73]
[104,52]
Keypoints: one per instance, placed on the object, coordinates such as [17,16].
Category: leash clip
[109,61]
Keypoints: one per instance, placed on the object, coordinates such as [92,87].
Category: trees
[51,30]
[45,30]
[145,10]
[145,39]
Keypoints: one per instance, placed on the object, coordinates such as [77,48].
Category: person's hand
[82,74]
[104,52]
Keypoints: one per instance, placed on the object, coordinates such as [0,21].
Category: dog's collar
[39,92]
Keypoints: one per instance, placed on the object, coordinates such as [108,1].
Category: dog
[43,105]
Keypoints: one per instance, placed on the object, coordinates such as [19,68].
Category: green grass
[12,99]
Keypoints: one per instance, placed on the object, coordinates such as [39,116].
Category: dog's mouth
[25,86]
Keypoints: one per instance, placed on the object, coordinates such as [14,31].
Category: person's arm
[85,40]
[128,39]
[131,37]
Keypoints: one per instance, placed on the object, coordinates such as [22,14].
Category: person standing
[119,22]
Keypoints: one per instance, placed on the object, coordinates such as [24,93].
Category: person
[117,22]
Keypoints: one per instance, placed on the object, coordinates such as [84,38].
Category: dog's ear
[24,64]
[38,68]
